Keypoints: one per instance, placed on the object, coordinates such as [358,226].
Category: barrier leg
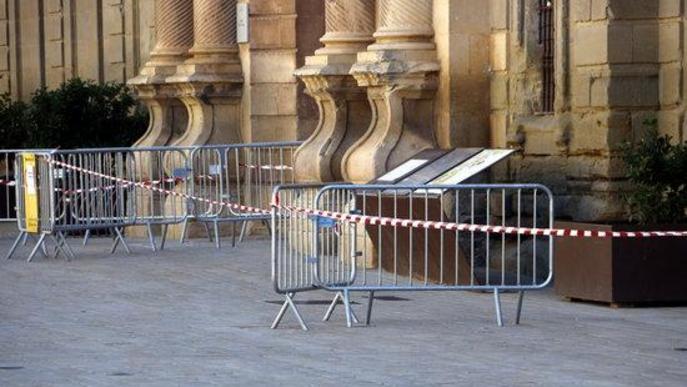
[184,229]
[268,226]
[59,247]
[26,239]
[151,237]
[207,231]
[66,245]
[288,303]
[43,249]
[332,306]
[218,243]
[244,224]
[164,236]
[233,234]
[328,314]
[21,237]
[497,304]
[347,306]
[119,238]
[39,245]
[519,311]
[86,237]
[370,300]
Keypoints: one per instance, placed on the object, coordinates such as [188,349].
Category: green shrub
[657,170]
[77,114]
[13,128]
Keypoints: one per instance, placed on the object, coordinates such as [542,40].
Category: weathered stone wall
[45,42]
[617,62]
[461,34]
[277,41]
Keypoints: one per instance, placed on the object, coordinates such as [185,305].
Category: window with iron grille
[547,42]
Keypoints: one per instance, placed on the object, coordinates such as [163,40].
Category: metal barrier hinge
[324,222]
[182,173]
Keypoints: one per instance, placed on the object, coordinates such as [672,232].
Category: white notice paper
[472,166]
[402,169]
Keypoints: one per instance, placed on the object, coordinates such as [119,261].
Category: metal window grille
[546,40]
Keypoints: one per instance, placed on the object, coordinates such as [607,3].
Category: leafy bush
[77,114]
[13,129]
[657,170]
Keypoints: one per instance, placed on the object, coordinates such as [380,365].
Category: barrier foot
[268,226]
[497,304]
[66,245]
[119,238]
[347,306]
[151,238]
[244,224]
[207,231]
[86,237]
[519,311]
[184,228]
[233,234]
[43,250]
[218,242]
[39,245]
[370,300]
[164,236]
[20,238]
[59,247]
[288,303]
[338,297]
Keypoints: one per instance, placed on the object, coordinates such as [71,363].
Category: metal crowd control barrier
[416,255]
[54,201]
[241,173]
[76,190]
[7,184]
[164,168]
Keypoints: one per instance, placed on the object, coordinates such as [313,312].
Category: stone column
[400,71]
[210,82]
[174,34]
[343,106]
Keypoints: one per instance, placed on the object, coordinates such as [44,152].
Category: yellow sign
[30,192]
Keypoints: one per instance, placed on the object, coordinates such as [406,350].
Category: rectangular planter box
[629,271]
[623,271]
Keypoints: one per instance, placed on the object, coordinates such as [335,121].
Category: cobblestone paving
[197,316]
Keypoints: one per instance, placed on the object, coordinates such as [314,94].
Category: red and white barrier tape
[267,167]
[9,183]
[406,223]
[150,187]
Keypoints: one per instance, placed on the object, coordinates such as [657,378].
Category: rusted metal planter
[621,271]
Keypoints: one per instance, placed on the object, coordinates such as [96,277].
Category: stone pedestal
[210,82]
[400,73]
[174,31]
[344,111]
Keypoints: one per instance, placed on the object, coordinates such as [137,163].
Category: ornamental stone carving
[344,113]
[174,34]
[400,73]
[210,81]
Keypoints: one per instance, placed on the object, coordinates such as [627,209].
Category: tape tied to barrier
[318,215]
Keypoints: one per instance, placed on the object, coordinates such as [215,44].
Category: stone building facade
[368,83]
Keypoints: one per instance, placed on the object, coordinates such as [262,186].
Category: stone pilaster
[174,32]
[400,73]
[343,107]
[210,81]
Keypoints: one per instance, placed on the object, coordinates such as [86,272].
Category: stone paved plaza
[193,315]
